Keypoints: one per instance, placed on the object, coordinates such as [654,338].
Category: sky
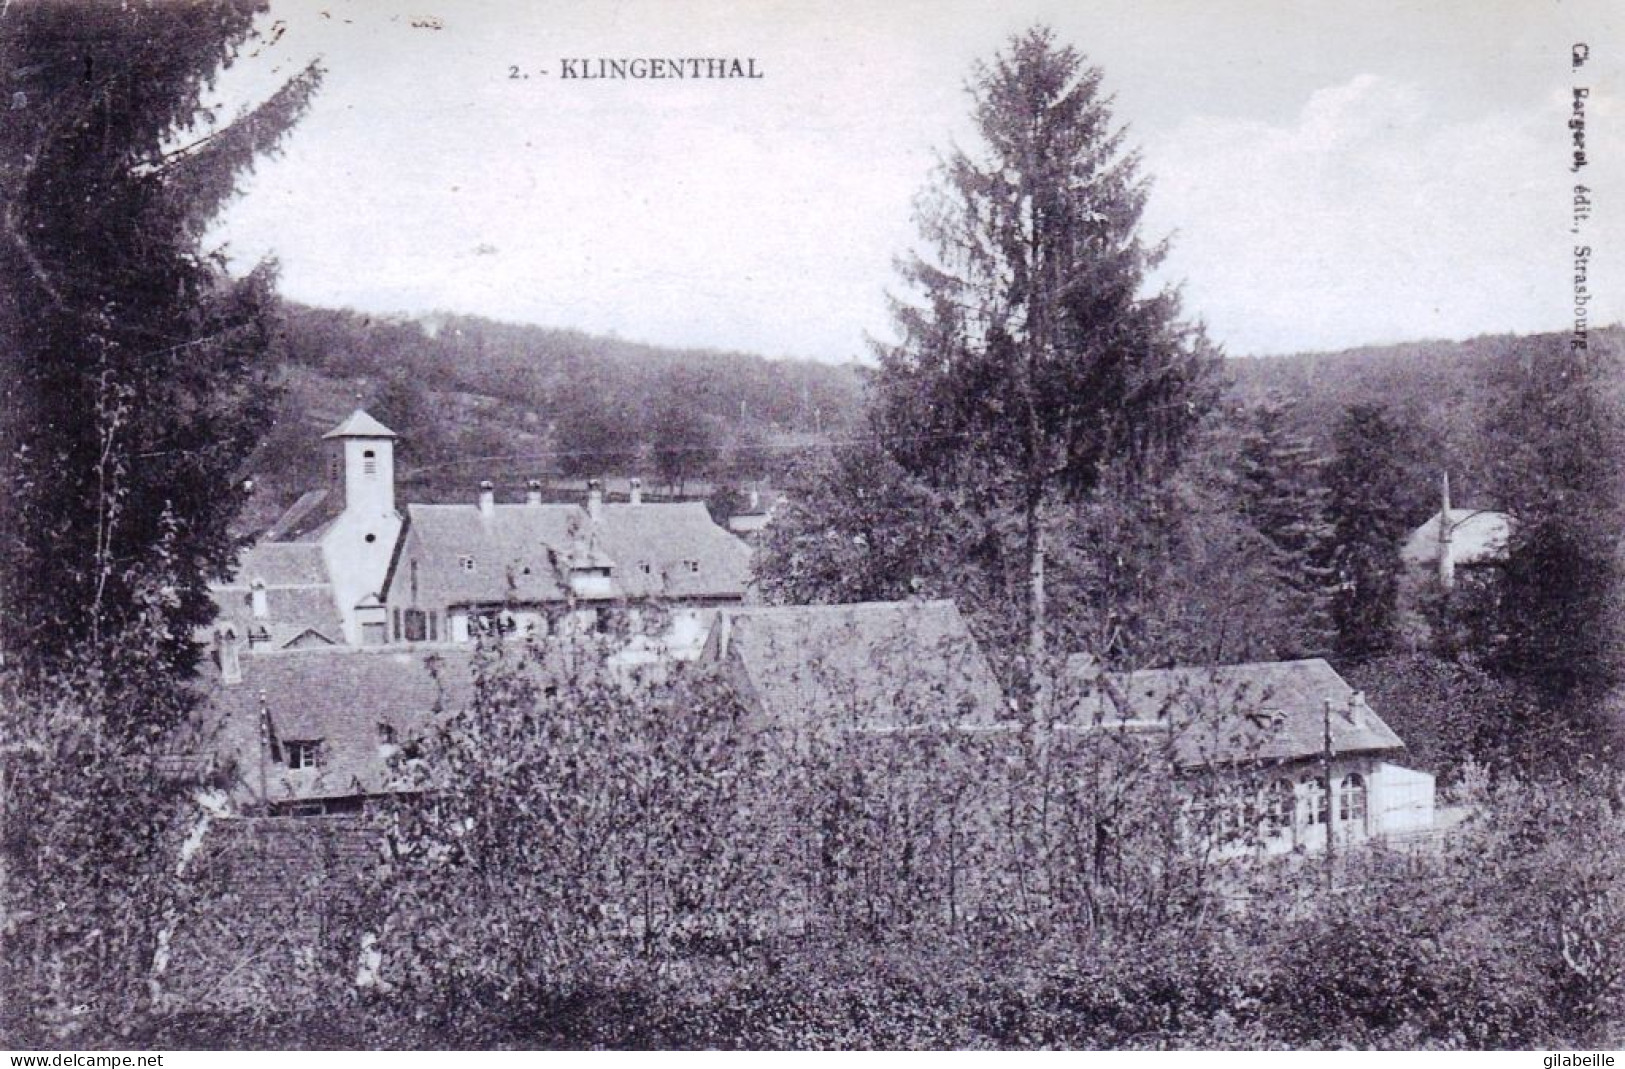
[1331,175]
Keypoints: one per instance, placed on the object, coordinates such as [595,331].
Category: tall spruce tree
[135,388]
[135,366]
[1034,358]
[1561,447]
[1368,486]
[1280,494]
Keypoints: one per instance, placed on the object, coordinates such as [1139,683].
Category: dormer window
[369,462]
[302,753]
[1266,718]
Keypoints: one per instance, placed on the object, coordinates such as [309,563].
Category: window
[434,627]
[645,567]
[369,462]
[692,565]
[466,562]
[386,734]
[416,625]
[374,634]
[302,753]
[1351,799]
[397,619]
[1314,800]
[1278,805]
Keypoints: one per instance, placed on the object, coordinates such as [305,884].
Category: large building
[1279,755]
[545,568]
[346,566]
[871,666]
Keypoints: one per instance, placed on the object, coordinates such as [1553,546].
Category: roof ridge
[496,504]
[934,603]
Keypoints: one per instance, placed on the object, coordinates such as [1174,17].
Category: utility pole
[265,746]
[1326,755]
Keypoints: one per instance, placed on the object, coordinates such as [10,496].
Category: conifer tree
[1032,356]
[1562,456]
[1367,489]
[1281,496]
[135,366]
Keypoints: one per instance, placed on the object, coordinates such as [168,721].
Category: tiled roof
[293,612]
[314,510]
[1475,535]
[880,664]
[1271,711]
[360,425]
[337,697]
[280,564]
[674,550]
[253,930]
[525,552]
[299,599]
[465,557]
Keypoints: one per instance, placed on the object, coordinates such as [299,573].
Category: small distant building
[1254,738]
[751,520]
[1455,538]
[877,665]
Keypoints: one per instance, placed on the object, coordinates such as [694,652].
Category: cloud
[1369,217]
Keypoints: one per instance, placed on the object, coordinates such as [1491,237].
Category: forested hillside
[1440,390]
[475,399]
[465,391]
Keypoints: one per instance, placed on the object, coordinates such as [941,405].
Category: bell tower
[357,546]
[362,462]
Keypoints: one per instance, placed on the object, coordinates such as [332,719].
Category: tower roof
[360,425]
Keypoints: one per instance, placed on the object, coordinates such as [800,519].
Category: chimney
[637,491]
[231,665]
[533,492]
[488,498]
[258,602]
[595,500]
[1447,556]
[725,629]
[1357,708]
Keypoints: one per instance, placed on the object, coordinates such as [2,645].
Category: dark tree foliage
[404,406]
[1280,494]
[1560,440]
[1368,488]
[683,439]
[860,528]
[135,367]
[1033,358]
[594,432]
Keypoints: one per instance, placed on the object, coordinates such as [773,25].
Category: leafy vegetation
[588,857]
[135,367]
